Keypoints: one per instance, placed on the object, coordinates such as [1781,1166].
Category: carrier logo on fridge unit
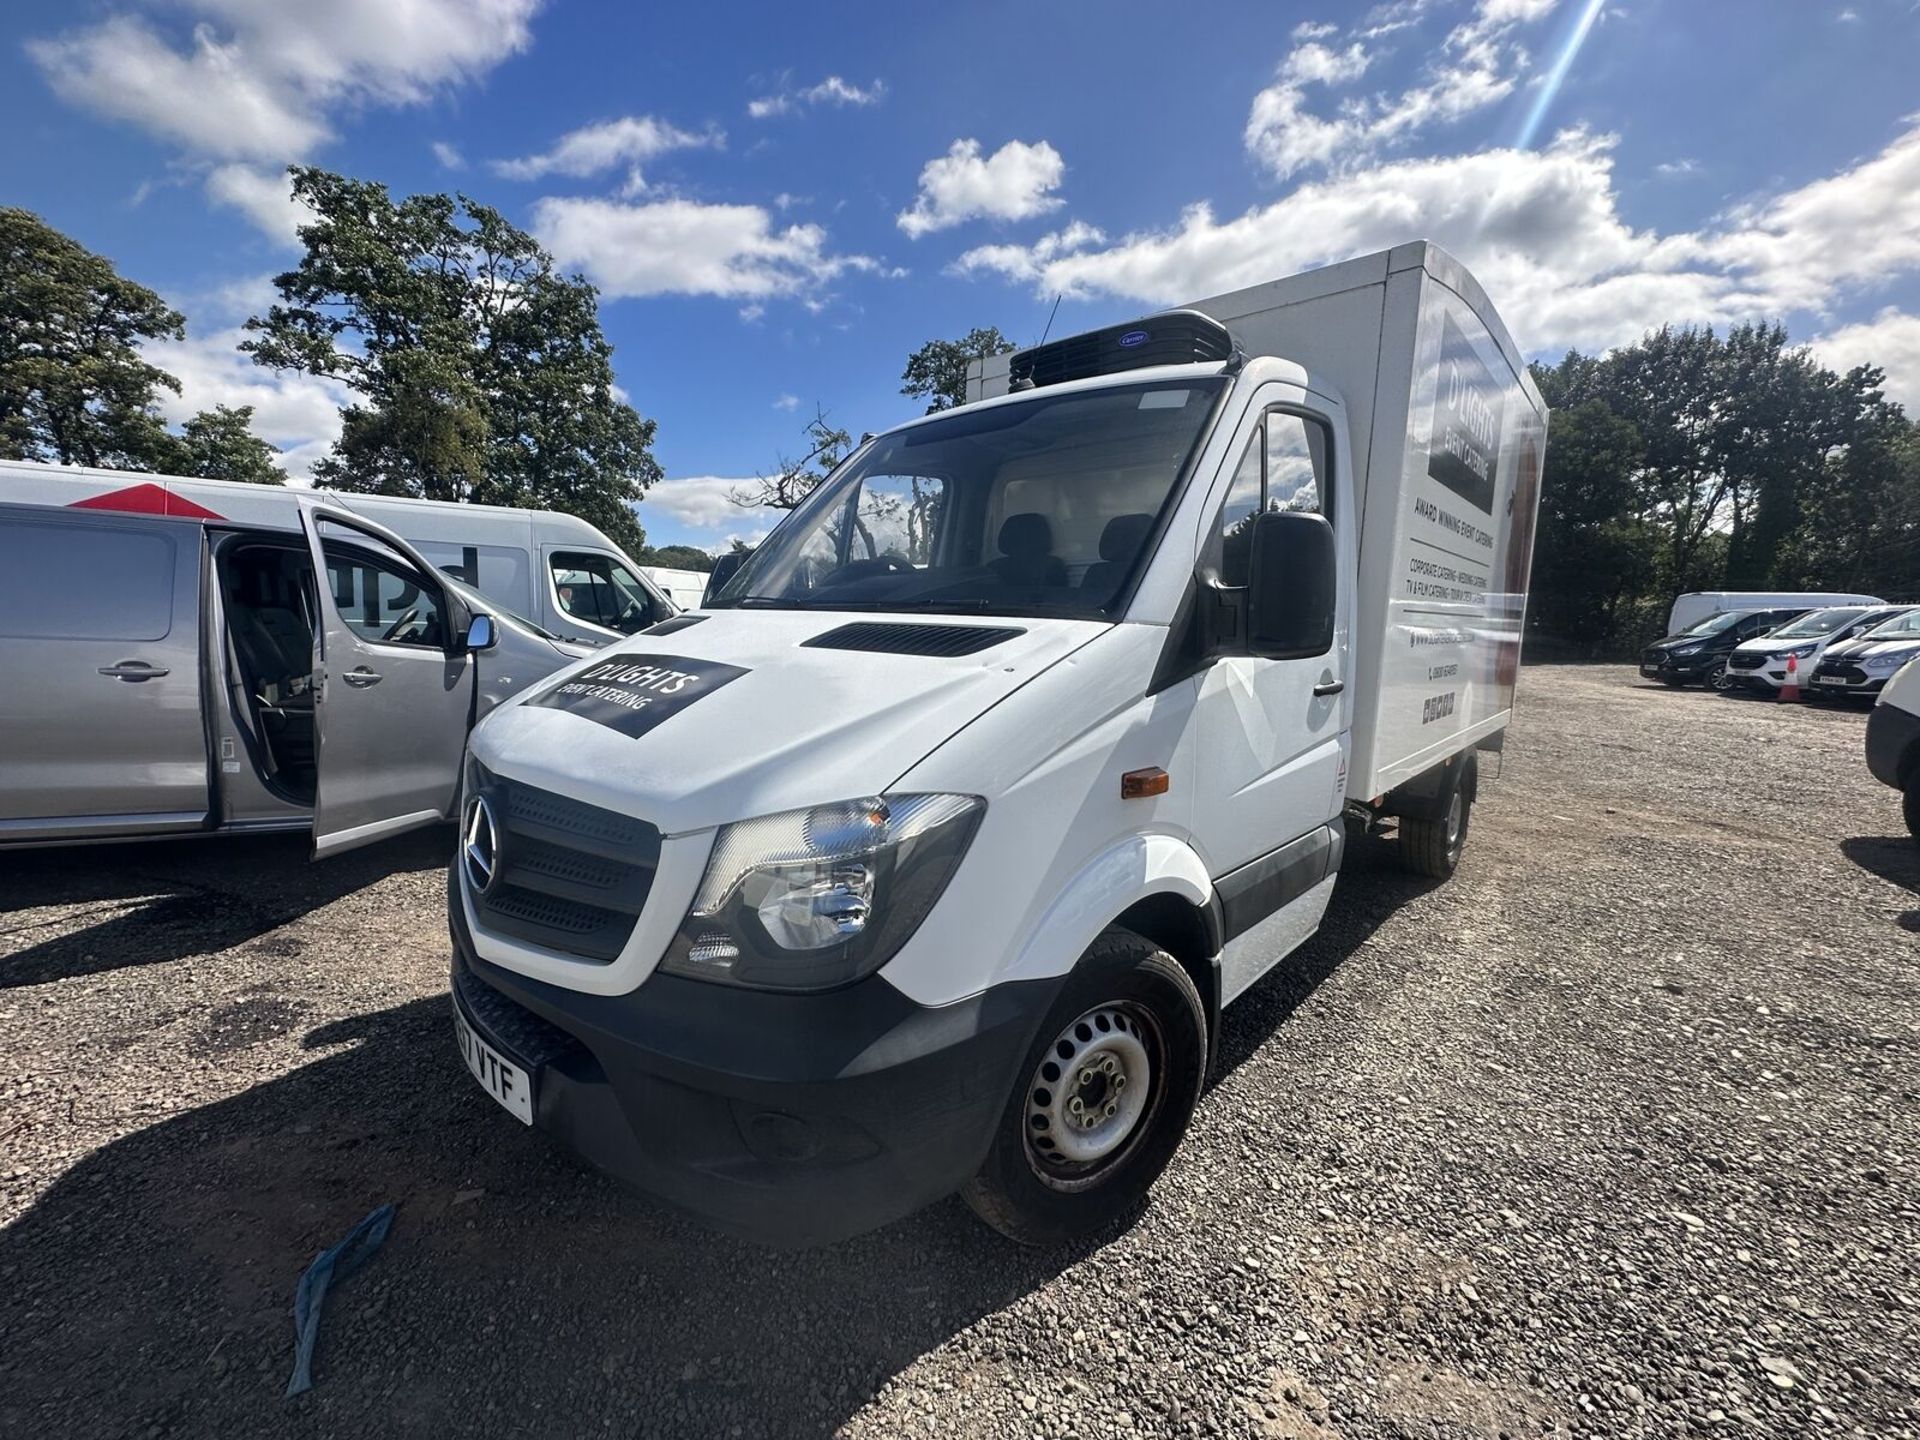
[634,693]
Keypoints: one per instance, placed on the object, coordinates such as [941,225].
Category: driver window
[1284,467]
[599,590]
[379,598]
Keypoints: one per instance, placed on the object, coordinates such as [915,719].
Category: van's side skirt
[1254,891]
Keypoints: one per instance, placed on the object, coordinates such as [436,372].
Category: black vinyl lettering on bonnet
[634,693]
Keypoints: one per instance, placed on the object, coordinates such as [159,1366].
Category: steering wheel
[411,617]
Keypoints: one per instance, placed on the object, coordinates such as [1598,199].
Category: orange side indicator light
[1139,784]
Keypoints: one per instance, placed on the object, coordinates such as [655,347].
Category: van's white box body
[1448,444]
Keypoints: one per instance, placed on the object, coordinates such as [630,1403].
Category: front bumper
[1893,742]
[790,1119]
[1849,680]
[1665,665]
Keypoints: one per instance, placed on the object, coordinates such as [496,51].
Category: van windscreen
[1044,506]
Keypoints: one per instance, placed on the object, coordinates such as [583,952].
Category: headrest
[1124,536]
[1027,536]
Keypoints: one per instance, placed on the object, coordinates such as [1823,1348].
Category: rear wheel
[1911,806]
[1106,1096]
[1434,847]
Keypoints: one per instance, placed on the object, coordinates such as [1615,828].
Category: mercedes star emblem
[479,845]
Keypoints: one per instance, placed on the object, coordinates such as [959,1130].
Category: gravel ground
[1614,1134]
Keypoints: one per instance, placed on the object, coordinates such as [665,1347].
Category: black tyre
[1911,805]
[1715,677]
[1434,847]
[1105,1097]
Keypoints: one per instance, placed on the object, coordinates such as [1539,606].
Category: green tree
[219,444]
[676,557]
[74,386]
[937,371]
[479,371]
[793,480]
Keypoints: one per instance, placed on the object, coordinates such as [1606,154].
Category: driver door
[393,685]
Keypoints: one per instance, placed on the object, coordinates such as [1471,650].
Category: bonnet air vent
[1178,337]
[673,623]
[879,638]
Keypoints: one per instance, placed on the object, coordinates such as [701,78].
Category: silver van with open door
[171,674]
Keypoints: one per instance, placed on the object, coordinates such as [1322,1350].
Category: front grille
[567,876]
[1747,662]
[1653,659]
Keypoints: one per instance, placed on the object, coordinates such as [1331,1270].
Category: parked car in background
[1861,667]
[1762,664]
[1893,740]
[1690,609]
[180,673]
[518,559]
[1698,655]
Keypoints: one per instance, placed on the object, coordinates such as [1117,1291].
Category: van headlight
[811,899]
[1888,662]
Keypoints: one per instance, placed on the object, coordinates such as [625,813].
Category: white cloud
[1315,30]
[298,413]
[705,503]
[682,247]
[1478,64]
[1676,169]
[261,79]
[1540,229]
[1890,340]
[787,402]
[830,91]
[211,100]
[448,155]
[264,196]
[1013,183]
[631,140]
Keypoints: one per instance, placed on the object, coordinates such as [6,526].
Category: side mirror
[724,569]
[481,634]
[1292,580]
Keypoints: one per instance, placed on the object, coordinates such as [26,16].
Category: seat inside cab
[268,599]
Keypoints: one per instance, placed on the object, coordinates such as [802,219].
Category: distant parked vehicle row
[1791,653]
[171,666]
[1744,639]
[1860,668]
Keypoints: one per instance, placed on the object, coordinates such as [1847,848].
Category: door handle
[134,670]
[360,677]
[1328,687]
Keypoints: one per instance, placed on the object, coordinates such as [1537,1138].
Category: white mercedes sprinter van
[927,858]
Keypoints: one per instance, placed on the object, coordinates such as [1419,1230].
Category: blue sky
[780,202]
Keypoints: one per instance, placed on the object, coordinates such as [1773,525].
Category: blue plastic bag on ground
[329,1267]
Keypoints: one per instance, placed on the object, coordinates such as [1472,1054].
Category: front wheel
[1716,676]
[1106,1096]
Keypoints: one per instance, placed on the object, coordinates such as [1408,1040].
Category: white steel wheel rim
[1087,1097]
[1456,812]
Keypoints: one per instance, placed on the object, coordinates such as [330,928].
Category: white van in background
[685,588]
[1690,609]
[553,569]
[1024,745]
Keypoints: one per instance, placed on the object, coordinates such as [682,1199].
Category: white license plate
[498,1076]
[1828,680]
